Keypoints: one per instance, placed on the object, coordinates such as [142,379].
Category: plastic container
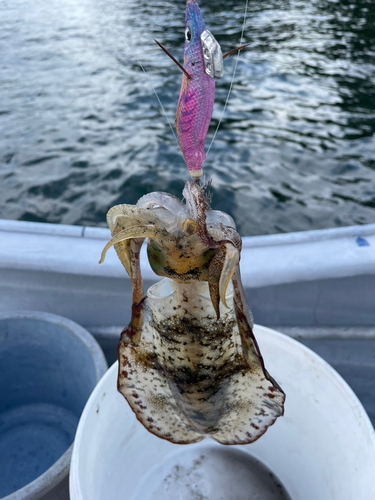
[323,448]
[49,366]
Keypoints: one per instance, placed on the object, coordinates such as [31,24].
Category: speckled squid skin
[189,364]
[197,95]
[189,376]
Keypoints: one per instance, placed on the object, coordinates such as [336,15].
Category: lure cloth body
[197,94]
[189,364]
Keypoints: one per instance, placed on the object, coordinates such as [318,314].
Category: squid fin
[145,386]
[254,400]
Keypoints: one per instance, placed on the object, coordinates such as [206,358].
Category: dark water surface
[81,129]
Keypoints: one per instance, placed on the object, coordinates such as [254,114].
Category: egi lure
[203,64]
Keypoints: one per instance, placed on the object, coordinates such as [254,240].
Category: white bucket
[322,449]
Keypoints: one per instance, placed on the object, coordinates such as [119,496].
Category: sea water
[81,129]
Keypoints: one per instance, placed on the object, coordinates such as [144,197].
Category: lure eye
[188,34]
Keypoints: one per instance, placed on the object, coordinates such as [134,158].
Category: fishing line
[138,61]
[232,82]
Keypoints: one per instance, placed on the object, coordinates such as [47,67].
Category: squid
[188,362]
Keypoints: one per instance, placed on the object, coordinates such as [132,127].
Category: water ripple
[81,130]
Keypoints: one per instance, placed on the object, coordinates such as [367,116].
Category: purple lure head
[194,27]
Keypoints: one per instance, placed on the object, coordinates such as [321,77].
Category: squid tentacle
[131,232]
[214,273]
[232,258]
[220,271]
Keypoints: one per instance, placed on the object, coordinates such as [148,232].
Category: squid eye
[188,34]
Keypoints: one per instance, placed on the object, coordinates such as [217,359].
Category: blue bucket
[49,366]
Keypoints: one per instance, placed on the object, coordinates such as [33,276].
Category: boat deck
[317,287]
